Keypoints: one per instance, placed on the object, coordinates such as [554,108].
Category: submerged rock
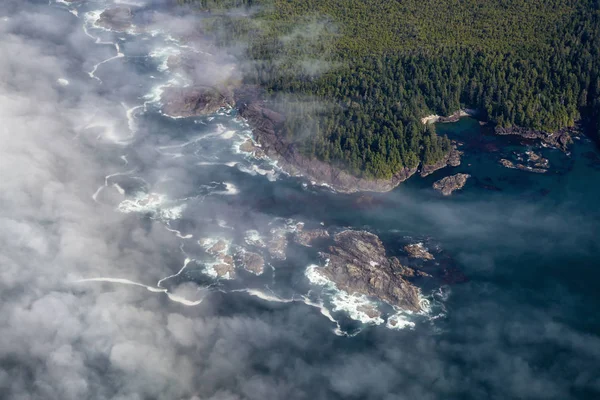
[417,250]
[117,18]
[192,101]
[358,265]
[451,183]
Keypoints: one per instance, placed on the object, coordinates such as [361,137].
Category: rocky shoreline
[560,139]
[201,99]
[266,122]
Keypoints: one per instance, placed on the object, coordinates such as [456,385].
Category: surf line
[153,289]
[91,18]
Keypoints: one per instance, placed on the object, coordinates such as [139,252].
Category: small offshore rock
[417,250]
[451,183]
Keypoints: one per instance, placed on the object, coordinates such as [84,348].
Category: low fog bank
[64,339]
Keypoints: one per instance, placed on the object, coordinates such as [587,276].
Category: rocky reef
[534,163]
[451,183]
[358,264]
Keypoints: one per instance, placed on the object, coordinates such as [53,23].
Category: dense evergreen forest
[355,77]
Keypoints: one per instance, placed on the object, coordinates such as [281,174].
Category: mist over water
[115,219]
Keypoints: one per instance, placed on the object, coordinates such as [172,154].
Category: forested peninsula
[350,81]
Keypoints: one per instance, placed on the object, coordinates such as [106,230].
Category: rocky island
[451,183]
[358,264]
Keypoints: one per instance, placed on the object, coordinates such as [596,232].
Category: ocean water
[527,243]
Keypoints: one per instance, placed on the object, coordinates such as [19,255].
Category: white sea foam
[351,304]
[178,233]
[206,243]
[265,296]
[229,164]
[228,134]
[324,311]
[253,238]
[119,189]
[130,113]
[163,54]
[400,321]
[254,170]
[185,264]
[156,204]
[97,192]
[153,289]
[124,282]
[223,224]
[230,189]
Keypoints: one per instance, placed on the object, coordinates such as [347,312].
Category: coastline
[265,124]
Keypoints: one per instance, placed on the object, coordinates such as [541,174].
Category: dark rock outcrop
[358,264]
[560,139]
[451,183]
[117,18]
[192,101]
